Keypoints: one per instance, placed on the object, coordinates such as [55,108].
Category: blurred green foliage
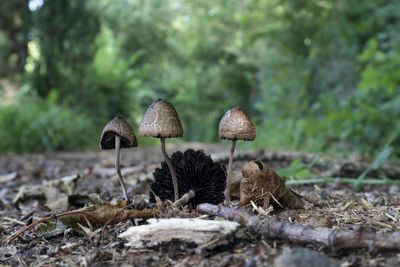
[15,23]
[34,124]
[314,75]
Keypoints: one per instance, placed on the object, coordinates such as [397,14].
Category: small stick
[13,220]
[42,220]
[330,238]
[144,214]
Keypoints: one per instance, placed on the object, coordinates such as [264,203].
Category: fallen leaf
[56,192]
[100,215]
[27,192]
[263,186]
[55,200]
[65,184]
[94,216]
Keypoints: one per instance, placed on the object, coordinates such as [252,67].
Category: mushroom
[118,134]
[201,180]
[235,125]
[162,121]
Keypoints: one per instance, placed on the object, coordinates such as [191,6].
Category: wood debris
[331,238]
[4,178]
[189,230]
[370,215]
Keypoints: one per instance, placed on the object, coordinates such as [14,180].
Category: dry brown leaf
[262,185]
[94,216]
[106,214]
[55,192]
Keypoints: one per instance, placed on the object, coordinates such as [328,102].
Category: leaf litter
[94,240]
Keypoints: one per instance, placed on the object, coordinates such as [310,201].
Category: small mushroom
[162,121]
[235,125]
[118,134]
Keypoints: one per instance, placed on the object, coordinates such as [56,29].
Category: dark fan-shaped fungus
[200,180]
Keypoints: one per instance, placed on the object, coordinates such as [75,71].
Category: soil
[337,206]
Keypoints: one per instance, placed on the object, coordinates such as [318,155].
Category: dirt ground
[337,205]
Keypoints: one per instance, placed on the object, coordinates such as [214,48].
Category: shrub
[32,124]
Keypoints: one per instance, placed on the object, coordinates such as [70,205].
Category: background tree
[15,21]
[314,75]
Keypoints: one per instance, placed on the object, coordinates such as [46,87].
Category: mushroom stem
[117,166]
[170,167]
[185,198]
[228,180]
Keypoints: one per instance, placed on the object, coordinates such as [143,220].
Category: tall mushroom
[235,125]
[118,134]
[162,121]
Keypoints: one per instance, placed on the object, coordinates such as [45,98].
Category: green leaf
[376,164]
[297,169]
[381,158]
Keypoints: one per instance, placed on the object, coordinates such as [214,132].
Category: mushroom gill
[195,171]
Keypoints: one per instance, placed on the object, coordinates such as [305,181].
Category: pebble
[394,189]
[302,257]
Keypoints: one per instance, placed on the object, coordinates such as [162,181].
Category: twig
[328,180]
[330,238]
[376,164]
[260,210]
[381,224]
[41,220]
[13,220]
[87,212]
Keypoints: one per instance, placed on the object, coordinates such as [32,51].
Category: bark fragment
[201,232]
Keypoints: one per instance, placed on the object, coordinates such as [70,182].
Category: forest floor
[26,194]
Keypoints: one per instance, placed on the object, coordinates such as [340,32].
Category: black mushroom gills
[195,171]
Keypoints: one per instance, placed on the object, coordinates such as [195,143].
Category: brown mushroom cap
[117,126]
[236,125]
[161,120]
